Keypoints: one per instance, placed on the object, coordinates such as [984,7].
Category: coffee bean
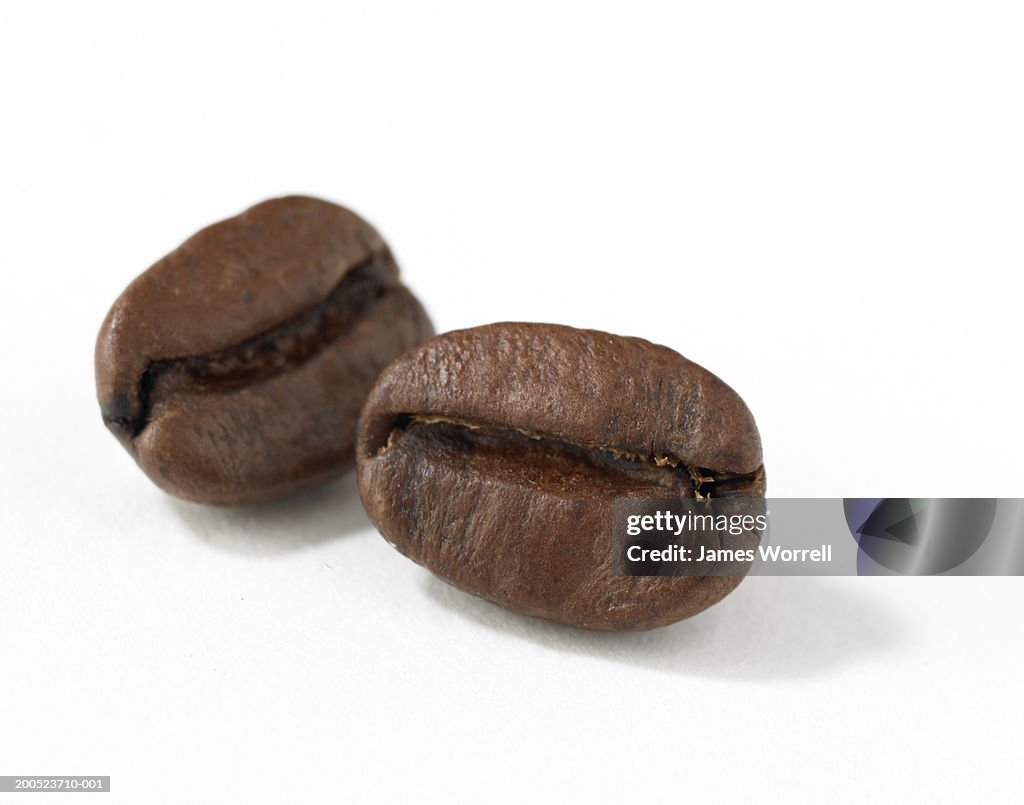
[492,456]
[234,369]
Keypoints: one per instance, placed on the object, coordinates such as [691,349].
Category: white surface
[821,202]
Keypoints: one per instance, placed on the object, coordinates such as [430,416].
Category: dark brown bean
[234,369]
[492,457]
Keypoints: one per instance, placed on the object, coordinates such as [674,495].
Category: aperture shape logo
[917,536]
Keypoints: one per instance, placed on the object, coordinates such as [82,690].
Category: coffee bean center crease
[281,348]
[507,445]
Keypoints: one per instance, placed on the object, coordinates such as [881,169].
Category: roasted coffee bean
[233,370]
[492,456]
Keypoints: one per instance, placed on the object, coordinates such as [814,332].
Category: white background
[822,202]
